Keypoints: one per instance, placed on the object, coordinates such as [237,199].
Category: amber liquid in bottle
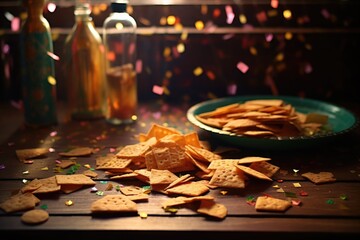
[84,68]
[37,68]
[119,34]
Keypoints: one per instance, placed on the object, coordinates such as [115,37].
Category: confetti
[143,215]
[158,90]
[290,194]
[44,169]
[330,201]
[99,193]
[343,197]
[69,203]
[242,67]
[297,185]
[25,172]
[303,193]
[296,202]
[93,189]
[223,192]
[44,206]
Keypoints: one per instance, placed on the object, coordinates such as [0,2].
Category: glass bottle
[119,37]
[37,67]
[84,67]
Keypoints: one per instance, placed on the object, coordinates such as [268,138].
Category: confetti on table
[280,190]
[100,193]
[297,185]
[44,206]
[69,203]
[343,197]
[223,192]
[290,194]
[25,172]
[143,215]
[296,202]
[330,201]
[44,169]
[303,193]
[276,186]
[93,189]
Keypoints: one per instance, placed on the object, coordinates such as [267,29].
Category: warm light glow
[199,25]
[287,14]
[51,7]
[171,20]
[119,26]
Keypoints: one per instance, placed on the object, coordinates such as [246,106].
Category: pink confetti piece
[6,49]
[308,68]
[228,36]
[132,48]
[139,66]
[53,134]
[242,67]
[269,37]
[325,13]
[112,150]
[229,14]
[296,202]
[158,90]
[53,56]
[232,89]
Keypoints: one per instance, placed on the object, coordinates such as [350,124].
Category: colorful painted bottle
[37,66]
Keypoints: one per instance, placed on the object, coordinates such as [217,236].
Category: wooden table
[329,211]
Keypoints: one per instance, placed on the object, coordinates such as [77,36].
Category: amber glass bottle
[37,67]
[84,66]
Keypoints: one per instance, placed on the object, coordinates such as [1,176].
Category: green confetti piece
[250,198]
[103,182]
[290,194]
[117,187]
[44,207]
[99,193]
[330,201]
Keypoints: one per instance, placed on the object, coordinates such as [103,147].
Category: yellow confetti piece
[242,19]
[167,52]
[184,35]
[87,166]
[276,186]
[180,48]
[198,71]
[297,185]
[288,35]
[253,51]
[223,192]
[143,215]
[25,172]
[69,203]
[44,169]
[280,190]
[279,57]
[287,14]
[171,20]
[51,80]
[199,25]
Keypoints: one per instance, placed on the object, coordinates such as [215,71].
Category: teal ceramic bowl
[341,121]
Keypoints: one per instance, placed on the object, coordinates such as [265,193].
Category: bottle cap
[119,5]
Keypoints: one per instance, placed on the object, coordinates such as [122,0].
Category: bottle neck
[34,8]
[82,12]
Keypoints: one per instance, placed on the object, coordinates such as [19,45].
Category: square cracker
[321,177]
[77,179]
[265,203]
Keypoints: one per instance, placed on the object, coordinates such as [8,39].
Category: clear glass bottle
[119,37]
[85,67]
[37,67]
